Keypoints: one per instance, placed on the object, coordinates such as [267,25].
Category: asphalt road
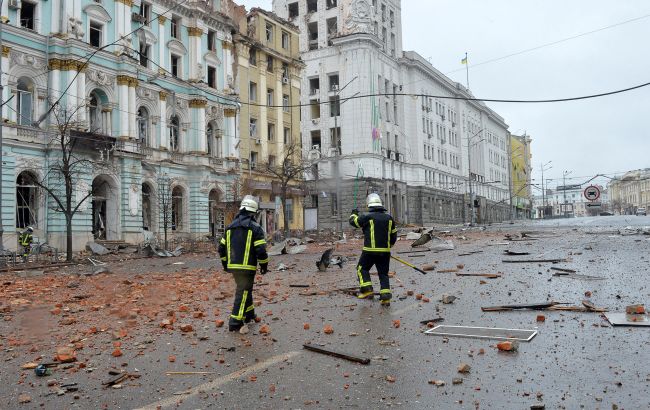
[576,360]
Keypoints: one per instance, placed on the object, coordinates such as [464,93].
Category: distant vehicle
[641,211]
[606,213]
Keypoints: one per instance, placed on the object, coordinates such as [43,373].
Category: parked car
[641,211]
[606,213]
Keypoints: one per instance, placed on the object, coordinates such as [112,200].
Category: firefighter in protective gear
[25,239]
[241,249]
[380,234]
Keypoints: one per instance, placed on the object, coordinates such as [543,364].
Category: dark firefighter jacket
[243,245]
[379,230]
[25,239]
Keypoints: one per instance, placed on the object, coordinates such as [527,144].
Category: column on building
[80,92]
[194,54]
[70,66]
[230,121]
[198,139]
[133,109]
[262,126]
[227,62]
[123,101]
[162,60]
[3,76]
[164,138]
[107,117]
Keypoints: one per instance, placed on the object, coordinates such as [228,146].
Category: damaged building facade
[143,89]
[420,153]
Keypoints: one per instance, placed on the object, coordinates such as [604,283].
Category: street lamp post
[564,174]
[2,89]
[543,168]
[469,180]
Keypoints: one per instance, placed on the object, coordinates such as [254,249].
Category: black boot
[234,325]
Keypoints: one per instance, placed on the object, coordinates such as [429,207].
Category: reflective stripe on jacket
[25,239]
[243,245]
[379,230]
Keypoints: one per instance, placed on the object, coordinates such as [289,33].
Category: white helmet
[374,201]
[249,203]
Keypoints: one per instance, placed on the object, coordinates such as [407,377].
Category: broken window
[334,82]
[314,86]
[312,34]
[335,106]
[252,91]
[145,54]
[175,27]
[269,32]
[330,4]
[285,40]
[253,160]
[253,127]
[293,10]
[212,77]
[285,72]
[146,207]
[270,131]
[332,29]
[176,62]
[27,15]
[95,33]
[25,99]
[269,63]
[26,200]
[312,6]
[252,57]
[177,209]
[315,140]
[211,43]
[145,12]
[174,130]
[143,125]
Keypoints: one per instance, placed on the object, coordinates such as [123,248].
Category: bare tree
[68,165]
[289,170]
[165,205]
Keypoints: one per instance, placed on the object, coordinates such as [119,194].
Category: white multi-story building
[371,117]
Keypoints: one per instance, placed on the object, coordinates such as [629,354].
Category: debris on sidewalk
[278,249]
[624,319]
[532,306]
[513,253]
[497,333]
[96,248]
[534,260]
[508,346]
[464,368]
[481,275]
[421,240]
[563,270]
[445,245]
[635,309]
[294,250]
[357,359]
[448,299]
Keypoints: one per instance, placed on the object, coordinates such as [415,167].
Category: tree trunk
[285,214]
[68,238]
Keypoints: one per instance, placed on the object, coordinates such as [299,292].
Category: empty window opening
[95,33]
[175,27]
[145,54]
[177,208]
[145,12]
[27,15]
[312,6]
[253,127]
[332,29]
[252,57]
[285,40]
[312,34]
[26,200]
[314,86]
[252,91]
[293,10]
[253,160]
[212,77]
[269,63]
[269,32]
[330,4]
[146,207]
[270,131]
[212,44]
[143,125]
[315,140]
[176,62]
[334,82]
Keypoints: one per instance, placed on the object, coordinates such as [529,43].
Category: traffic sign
[592,193]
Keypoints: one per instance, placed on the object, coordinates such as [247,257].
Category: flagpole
[467,70]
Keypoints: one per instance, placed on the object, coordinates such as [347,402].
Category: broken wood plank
[438,319]
[578,309]
[362,360]
[482,275]
[448,271]
[534,260]
[533,306]
[116,380]
[563,270]
[186,373]
[514,253]
[414,251]
[298,286]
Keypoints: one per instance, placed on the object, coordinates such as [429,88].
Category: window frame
[99,28]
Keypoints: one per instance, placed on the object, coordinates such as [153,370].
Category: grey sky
[606,135]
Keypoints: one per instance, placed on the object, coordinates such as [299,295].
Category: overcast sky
[607,135]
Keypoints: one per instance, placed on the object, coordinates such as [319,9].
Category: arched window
[26,200]
[25,100]
[143,125]
[174,131]
[95,113]
[177,208]
[146,207]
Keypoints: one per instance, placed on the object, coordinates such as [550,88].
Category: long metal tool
[402,261]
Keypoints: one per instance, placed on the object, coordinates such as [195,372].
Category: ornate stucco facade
[146,87]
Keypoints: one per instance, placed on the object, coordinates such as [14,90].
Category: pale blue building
[147,87]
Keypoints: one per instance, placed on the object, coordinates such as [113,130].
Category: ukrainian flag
[464,60]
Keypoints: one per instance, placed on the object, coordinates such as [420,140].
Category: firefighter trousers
[379,259]
[243,307]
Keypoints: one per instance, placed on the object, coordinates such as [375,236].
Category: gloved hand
[264,269]
[355,211]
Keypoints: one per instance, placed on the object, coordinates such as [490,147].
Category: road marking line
[186,394]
